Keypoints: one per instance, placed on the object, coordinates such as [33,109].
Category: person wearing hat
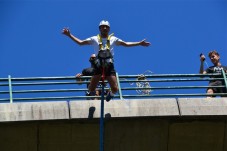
[103,45]
[90,72]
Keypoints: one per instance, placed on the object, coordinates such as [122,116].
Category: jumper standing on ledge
[104,46]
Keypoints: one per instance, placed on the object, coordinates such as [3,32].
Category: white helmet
[104,22]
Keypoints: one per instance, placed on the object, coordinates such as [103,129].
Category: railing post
[224,76]
[119,86]
[10,89]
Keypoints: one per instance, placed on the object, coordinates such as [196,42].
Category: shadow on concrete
[107,115]
[91,112]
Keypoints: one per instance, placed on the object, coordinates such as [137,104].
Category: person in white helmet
[104,49]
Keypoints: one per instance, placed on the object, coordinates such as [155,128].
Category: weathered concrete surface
[124,108]
[18,136]
[225,137]
[197,135]
[202,106]
[136,135]
[126,134]
[33,111]
[69,136]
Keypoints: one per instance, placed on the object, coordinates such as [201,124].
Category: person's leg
[210,91]
[213,89]
[93,84]
[112,80]
[98,93]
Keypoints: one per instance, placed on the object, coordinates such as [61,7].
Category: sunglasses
[92,58]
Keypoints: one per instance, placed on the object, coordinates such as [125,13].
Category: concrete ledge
[124,108]
[27,111]
[202,106]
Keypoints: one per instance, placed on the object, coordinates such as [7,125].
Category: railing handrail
[120,76]
[14,82]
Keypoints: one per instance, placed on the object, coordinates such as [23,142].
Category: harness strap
[107,45]
[103,75]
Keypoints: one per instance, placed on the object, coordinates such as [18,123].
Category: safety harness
[104,58]
[107,45]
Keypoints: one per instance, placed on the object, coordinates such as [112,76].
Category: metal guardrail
[67,88]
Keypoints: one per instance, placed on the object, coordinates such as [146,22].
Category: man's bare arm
[66,32]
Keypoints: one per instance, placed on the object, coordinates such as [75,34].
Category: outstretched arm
[201,69]
[130,44]
[66,32]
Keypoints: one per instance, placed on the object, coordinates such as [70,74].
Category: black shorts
[218,90]
[109,71]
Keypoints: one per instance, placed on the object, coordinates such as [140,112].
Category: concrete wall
[195,124]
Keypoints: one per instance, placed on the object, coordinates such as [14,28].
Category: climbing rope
[142,83]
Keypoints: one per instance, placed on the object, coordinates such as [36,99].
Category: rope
[143,83]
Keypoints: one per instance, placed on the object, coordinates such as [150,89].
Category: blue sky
[31,43]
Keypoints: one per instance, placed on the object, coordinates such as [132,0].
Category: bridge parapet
[83,109]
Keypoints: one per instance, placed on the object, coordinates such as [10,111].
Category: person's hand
[78,79]
[78,75]
[202,57]
[144,43]
[66,31]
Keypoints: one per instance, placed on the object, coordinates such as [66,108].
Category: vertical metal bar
[10,89]
[224,76]
[101,127]
[119,86]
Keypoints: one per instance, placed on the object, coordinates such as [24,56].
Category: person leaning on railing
[216,68]
[89,72]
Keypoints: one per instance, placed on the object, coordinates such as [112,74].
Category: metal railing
[130,86]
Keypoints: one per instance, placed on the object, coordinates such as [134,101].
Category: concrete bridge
[184,124]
